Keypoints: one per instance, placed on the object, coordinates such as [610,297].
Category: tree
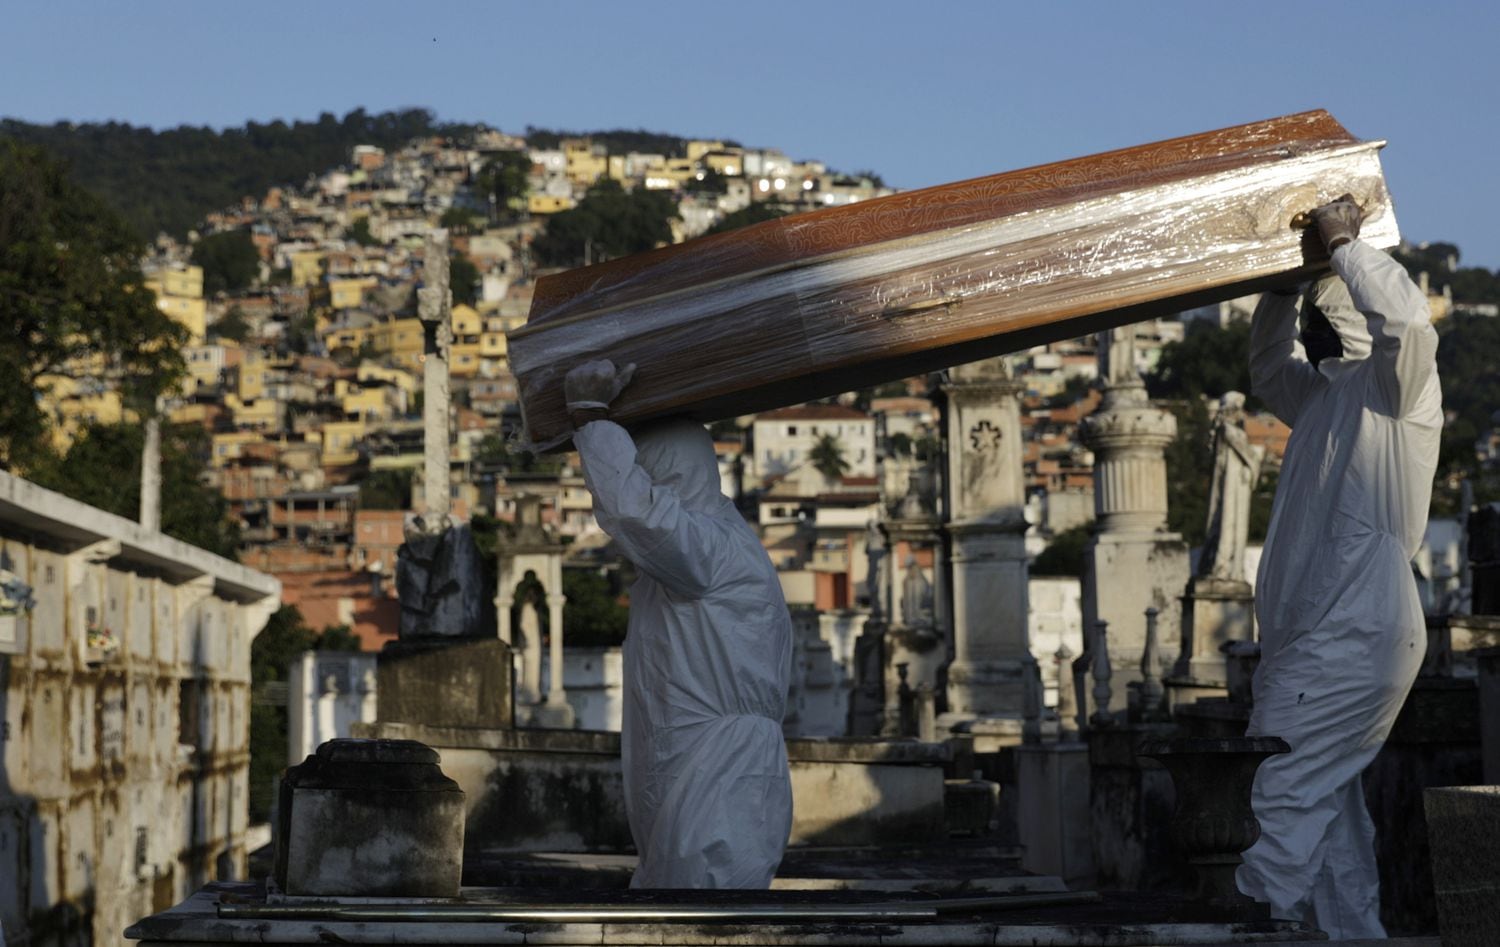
[283,640]
[504,182]
[229,259]
[72,301]
[463,280]
[1064,554]
[232,326]
[103,465]
[745,216]
[609,222]
[594,616]
[360,233]
[387,489]
[1208,361]
[168,180]
[708,182]
[459,219]
[827,457]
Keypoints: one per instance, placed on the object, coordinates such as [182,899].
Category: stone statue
[1236,470]
[1117,361]
[916,596]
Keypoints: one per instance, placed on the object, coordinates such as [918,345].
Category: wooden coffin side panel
[802,237]
[898,308]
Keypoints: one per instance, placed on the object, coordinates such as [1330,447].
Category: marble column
[986,528]
[1133,561]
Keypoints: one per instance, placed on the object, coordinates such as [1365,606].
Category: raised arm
[668,542]
[1280,374]
[1404,342]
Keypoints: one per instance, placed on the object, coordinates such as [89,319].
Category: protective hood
[1331,295]
[678,453]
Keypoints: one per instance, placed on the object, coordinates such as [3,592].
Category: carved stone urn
[1213,821]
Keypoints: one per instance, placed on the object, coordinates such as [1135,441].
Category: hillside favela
[396,518]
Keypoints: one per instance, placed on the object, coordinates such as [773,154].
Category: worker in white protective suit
[1341,625]
[707,655]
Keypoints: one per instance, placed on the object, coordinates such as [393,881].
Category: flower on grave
[101,638]
[15,595]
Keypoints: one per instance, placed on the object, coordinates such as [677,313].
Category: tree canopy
[102,468]
[827,457]
[504,182]
[1208,361]
[609,222]
[229,259]
[463,280]
[745,216]
[72,300]
[168,180]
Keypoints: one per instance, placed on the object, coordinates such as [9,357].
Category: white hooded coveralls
[1341,625]
[707,661]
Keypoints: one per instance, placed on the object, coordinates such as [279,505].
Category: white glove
[1338,221]
[595,384]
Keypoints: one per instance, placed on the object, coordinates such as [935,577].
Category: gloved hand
[1338,221]
[593,385]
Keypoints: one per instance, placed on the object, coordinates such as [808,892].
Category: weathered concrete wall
[123,769]
[561,790]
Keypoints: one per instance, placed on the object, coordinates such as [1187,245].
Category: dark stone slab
[446,683]
[1464,827]
[370,818]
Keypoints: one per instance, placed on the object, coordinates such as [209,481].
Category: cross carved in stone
[984,436]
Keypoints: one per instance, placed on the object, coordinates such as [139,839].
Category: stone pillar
[1133,562]
[556,712]
[986,531]
[151,475]
[435,308]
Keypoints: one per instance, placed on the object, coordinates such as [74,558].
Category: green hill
[168,180]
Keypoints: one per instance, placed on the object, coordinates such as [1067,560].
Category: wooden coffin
[815,304]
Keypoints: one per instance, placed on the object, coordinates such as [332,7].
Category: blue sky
[923,92]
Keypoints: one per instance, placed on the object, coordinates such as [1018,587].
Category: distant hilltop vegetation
[167,181]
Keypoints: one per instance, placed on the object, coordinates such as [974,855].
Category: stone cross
[1236,469]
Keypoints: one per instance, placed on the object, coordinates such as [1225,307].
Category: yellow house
[401,340]
[361,401]
[341,442]
[226,447]
[348,337]
[179,294]
[350,293]
[260,413]
[190,313]
[585,164]
[250,375]
[730,163]
[698,147]
[370,371]
[492,343]
[307,267]
[547,204]
[463,360]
